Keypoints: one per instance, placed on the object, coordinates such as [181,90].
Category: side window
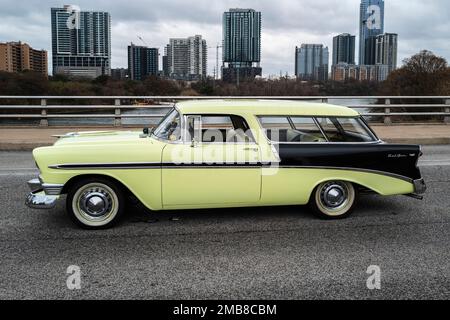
[291,129]
[218,129]
[276,128]
[330,128]
[308,128]
[346,130]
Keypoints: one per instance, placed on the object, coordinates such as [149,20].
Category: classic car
[226,153]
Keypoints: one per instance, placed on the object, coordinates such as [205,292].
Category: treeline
[29,83]
[422,74]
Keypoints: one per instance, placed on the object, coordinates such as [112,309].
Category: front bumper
[40,200]
[42,195]
[420,186]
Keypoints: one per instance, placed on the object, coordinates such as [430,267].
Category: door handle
[251,149]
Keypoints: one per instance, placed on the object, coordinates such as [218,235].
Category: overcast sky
[285,24]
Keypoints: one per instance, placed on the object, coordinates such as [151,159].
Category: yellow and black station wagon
[220,153]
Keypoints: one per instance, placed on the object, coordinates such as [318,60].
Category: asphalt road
[253,253]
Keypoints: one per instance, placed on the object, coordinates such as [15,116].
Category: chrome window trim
[329,143]
[316,143]
[321,129]
[153,136]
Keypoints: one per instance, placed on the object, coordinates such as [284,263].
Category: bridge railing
[45,108]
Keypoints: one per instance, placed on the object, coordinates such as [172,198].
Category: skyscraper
[81,42]
[241,44]
[18,56]
[186,58]
[142,62]
[371,25]
[386,50]
[311,62]
[344,49]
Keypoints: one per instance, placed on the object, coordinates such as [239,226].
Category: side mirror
[146,132]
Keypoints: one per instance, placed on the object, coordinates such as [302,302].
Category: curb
[419,141]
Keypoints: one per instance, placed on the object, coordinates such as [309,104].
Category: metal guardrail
[118,106]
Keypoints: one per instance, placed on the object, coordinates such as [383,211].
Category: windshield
[170,127]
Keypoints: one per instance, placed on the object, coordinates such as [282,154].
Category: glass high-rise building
[81,42]
[386,50]
[311,62]
[344,49]
[371,25]
[142,62]
[186,58]
[241,44]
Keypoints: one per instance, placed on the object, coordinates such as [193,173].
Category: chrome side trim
[118,165]
[383,173]
[35,185]
[155,165]
[52,189]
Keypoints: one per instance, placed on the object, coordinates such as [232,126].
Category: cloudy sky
[286,23]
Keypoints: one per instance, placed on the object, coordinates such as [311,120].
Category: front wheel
[333,199]
[95,203]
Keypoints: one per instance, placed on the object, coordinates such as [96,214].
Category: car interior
[298,129]
[223,129]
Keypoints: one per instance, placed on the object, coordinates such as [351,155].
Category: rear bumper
[419,186]
[42,195]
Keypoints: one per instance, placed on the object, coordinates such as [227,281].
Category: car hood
[101,137]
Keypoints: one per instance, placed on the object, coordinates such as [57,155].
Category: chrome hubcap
[334,195]
[96,202]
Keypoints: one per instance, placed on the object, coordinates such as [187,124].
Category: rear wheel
[333,200]
[95,203]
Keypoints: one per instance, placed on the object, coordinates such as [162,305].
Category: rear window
[346,130]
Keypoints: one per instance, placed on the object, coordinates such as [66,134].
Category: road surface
[252,253]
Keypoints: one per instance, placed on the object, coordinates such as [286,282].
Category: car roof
[264,107]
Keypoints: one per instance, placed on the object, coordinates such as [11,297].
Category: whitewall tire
[333,199]
[95,203]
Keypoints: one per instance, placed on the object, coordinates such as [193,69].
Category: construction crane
[143,41]
[216,69]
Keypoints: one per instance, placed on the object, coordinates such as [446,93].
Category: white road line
[23,174]
[17,169]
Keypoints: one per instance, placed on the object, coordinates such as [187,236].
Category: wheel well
[359,188]
[75,179]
